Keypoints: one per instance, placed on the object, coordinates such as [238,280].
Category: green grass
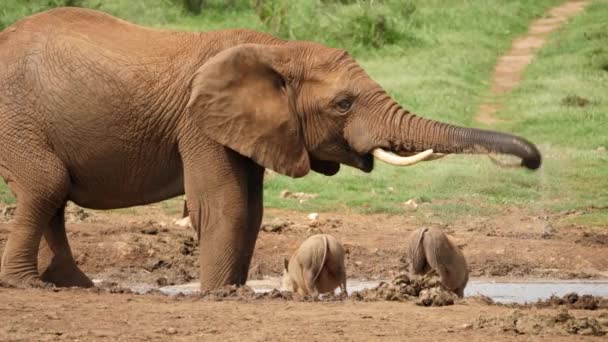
[436,58]
[562,104]
[447,81]
[563,101]
[446,78]
[5,195]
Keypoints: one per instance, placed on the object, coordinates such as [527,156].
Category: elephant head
[297,106]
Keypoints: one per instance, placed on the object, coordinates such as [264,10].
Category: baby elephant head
[316,267]
[430,249]
[297,106]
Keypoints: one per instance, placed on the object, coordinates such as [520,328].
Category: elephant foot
[66,275]
[23,282]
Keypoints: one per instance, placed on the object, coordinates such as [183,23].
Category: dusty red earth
[29,315]
[144,246]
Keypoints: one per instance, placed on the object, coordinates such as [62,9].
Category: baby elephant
[430,249]
[316,267]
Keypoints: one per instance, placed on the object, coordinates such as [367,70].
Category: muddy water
[522,292]
[503,292]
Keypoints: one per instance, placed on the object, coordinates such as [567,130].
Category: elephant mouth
[328,168]
[365,161]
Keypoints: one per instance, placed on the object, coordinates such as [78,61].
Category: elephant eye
[344,105]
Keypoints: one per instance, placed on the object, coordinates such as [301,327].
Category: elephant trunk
[411,133]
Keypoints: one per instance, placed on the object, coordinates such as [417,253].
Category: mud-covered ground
[85,315]
[145,246]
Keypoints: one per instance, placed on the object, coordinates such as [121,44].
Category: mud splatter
[246,293]
[560,323]
[426,291]
[278,225]
[575,301]
[75,214]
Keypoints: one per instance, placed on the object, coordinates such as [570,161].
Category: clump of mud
[425,290]
[561,323]
[147,253]
[482,299]
[276,226]
[575,301]
[73,213]
[229,292]
[110,287]
[246,293]
[313,227]
[7,212]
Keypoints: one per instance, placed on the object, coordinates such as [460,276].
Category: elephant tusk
[393,159]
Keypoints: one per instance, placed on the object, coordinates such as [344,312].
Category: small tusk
[393,159]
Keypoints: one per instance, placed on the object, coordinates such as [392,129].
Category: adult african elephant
[110,114]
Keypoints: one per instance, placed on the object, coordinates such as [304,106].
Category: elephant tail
[418,260]
[324,260]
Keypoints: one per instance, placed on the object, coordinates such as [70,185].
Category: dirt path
[510,67]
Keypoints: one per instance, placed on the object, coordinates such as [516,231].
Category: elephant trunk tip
[532,163]
[531,158]
[506,143]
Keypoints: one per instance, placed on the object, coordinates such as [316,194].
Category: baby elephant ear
[241,101]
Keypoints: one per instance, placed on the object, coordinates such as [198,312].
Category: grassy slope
[574,64]
[440,67]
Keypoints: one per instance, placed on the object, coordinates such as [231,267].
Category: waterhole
[501,292]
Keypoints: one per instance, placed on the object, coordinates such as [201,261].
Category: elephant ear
[241,101]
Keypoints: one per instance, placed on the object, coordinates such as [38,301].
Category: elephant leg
[226,212]
[56,264]
[19,264]
[255,206]
[41,188]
